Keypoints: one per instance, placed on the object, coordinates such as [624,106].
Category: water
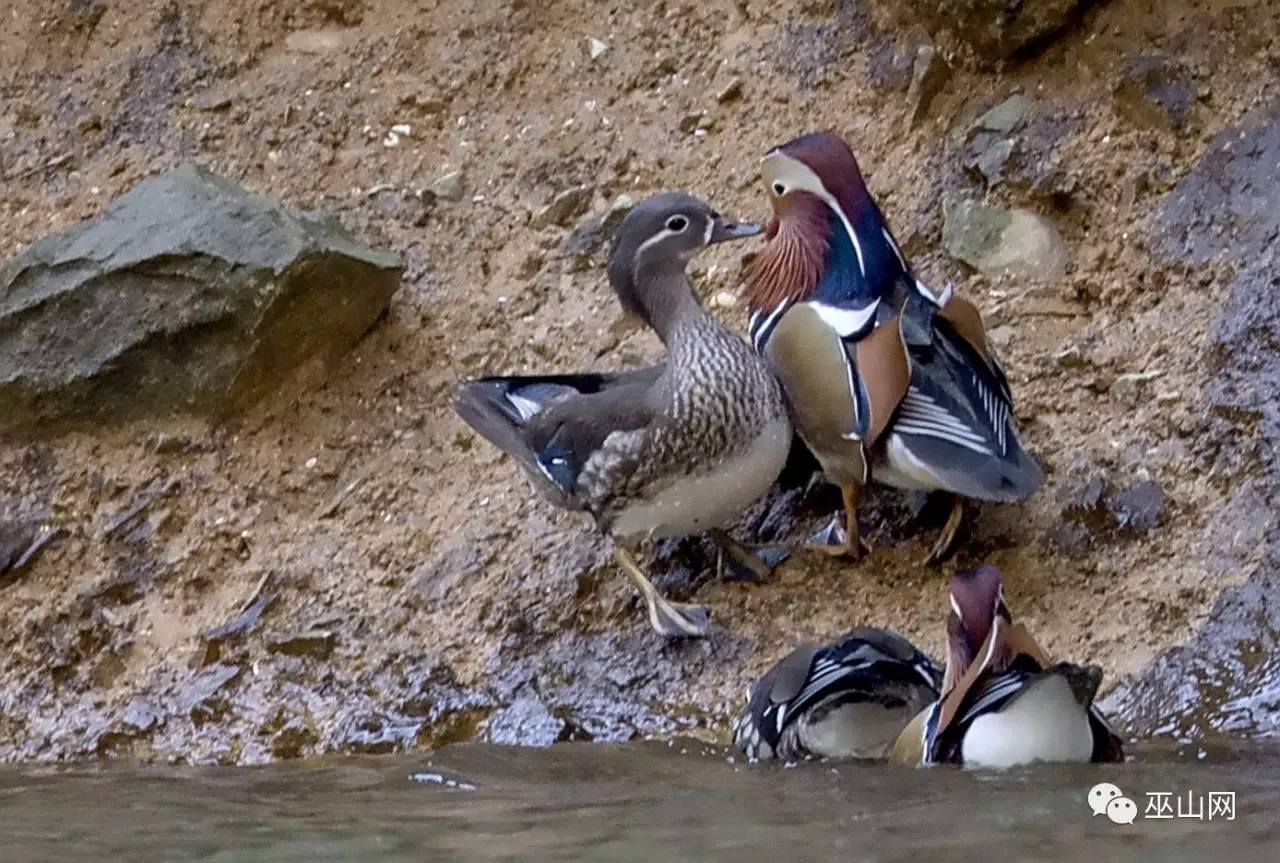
[649,802]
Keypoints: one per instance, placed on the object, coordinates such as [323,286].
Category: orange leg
[947,539]
[853,547]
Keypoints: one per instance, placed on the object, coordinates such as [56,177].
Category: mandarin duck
[885,379]
[1003,702]
[678,448]
[850,699]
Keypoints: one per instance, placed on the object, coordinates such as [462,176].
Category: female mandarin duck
[850,699]
[884,378]
[1003,703]
[675,449]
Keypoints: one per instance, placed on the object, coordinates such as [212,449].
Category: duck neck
[669,303]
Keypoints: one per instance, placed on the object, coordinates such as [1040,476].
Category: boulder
[996,241]
[186,294]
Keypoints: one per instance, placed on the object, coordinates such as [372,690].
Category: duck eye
[779,189]
[677,223]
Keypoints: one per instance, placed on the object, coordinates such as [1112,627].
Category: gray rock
[996,29]
[929,75]
[525,722]
[596,48]
[996,241]
[1004,117]
[203,697]
[594,232]
[989,156]
[317,643]
[564,207]
[186,294]
[140,718]
[1154,92]
[449,187]
[1139,507]
[1002,336]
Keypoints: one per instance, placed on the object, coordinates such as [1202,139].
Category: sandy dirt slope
[420,594]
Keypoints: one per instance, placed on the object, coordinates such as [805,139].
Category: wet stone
[378,734]
[139,719]
[525,722]
[203,695]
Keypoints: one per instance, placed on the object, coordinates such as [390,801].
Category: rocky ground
[346,567]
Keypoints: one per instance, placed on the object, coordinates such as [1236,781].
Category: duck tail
[1021,475]
[1084,680]
[505,411]
[495,409]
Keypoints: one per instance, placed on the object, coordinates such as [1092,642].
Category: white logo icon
[1102,794]
[1107,799]
[1122,810]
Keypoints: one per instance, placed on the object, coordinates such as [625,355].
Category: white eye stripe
[670,230]
[655,239]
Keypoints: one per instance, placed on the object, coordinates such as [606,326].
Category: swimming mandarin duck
[850,699]
[885,379]
[1003,702]
[679,448]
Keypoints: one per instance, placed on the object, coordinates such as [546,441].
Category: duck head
[654,246]
[827,238]
[977,617]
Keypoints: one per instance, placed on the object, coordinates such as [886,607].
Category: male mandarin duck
[885,379]
[1003,702]
[679,448]
[850,699]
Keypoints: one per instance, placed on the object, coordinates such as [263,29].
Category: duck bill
[723,231]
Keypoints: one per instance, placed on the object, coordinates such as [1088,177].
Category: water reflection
[635,802]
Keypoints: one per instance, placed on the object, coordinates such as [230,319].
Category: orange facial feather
[791,263]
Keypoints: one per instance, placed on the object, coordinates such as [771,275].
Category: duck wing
[551,424]
[956,418]
[867,663]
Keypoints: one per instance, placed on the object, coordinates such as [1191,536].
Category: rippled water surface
[646,802]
